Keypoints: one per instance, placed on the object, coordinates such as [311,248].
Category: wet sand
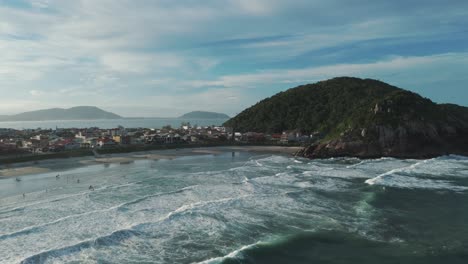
[57,165]
[14,172]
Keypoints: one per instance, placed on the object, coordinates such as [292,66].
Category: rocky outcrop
[407,140]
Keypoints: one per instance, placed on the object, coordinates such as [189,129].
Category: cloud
[140,63]
[35,92]
[389,67]
[223,54]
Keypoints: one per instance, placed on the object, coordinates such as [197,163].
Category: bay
[110,123]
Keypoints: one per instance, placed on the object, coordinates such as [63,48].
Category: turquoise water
[244,209]
[111,123]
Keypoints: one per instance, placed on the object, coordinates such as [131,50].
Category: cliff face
[408,140]
[406,135]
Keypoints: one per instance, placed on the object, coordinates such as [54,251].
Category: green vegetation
[342,104]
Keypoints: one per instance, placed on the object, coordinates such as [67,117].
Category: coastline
[18,169]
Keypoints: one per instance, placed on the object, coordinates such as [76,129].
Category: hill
[205,115]
[361,117]
[74,113]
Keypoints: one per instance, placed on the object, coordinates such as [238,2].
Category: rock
[407,140]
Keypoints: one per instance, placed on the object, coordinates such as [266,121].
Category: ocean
[249,208]
[111,123]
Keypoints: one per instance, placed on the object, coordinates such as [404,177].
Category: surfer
[58,176]
[78,181]
[91,188]
[24,195]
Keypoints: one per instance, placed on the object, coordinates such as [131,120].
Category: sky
[167,57]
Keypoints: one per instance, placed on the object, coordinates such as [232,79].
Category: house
[274,137]
[91,141]
[72,145]
[284,138]
[172,138]
[117,139]
[253,137]
[291,136]
[136,140]
[237,136]
[85,145]
[105,143]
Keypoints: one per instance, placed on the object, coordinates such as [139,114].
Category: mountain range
[91,113]
[74,113]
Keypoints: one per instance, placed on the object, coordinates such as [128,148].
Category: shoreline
[18,169]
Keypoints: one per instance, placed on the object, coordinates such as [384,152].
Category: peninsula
[362,118]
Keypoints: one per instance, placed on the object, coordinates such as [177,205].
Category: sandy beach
[56,165]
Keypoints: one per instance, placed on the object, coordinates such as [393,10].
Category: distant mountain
[205,115]
[361,117]
[74,113]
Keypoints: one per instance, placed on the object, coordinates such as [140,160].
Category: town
[31,142]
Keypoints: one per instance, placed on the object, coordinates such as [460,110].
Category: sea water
[248,208]
[112,123]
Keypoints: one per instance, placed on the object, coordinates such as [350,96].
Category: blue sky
[164,58]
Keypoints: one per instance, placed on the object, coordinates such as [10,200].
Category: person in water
[91,188]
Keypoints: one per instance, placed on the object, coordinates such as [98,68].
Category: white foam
[234,254]
[409,176]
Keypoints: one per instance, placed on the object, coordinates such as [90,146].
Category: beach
[57,165]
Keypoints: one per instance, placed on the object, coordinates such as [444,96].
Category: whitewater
[246,208]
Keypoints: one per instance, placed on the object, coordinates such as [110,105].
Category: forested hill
[338,104]
[361,118]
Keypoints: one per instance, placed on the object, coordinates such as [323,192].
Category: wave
[370,161]
[416,176]
[64,197]
[233,255]
[36,228]
[141,199]
[111,239]
[399,170]
[330,246]
[119,235]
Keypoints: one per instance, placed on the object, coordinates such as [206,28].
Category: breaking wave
[242,209]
